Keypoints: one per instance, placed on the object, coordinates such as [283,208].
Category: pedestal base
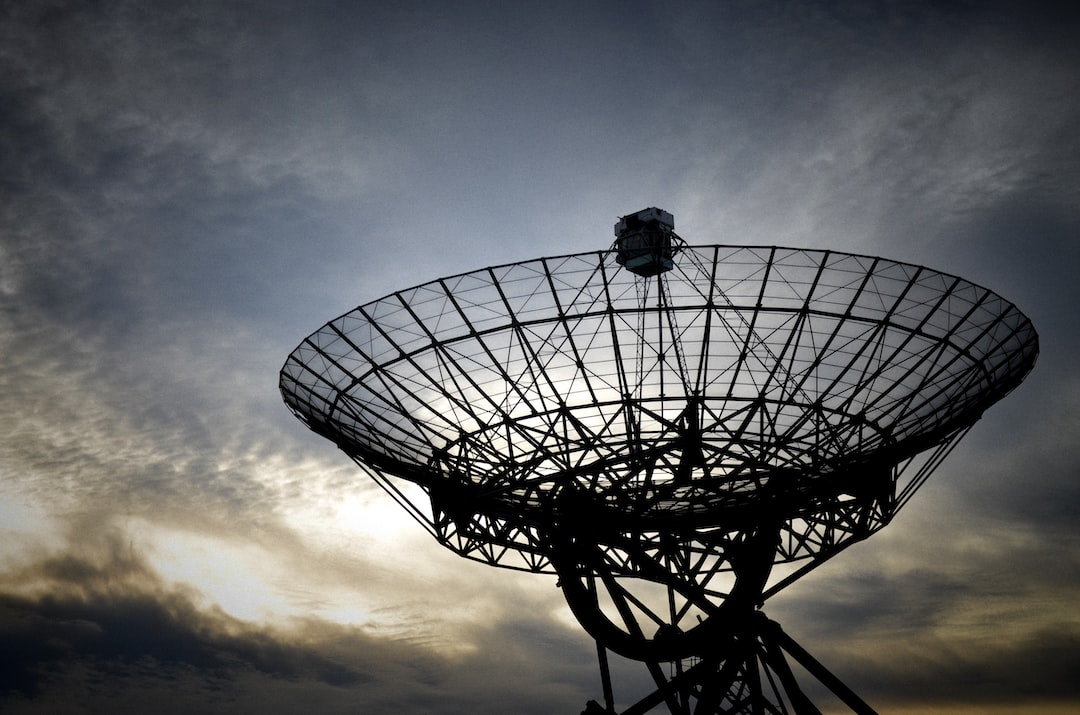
[747,674]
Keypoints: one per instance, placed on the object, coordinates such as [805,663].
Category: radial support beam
[748,674]
[772,634]
[605,677]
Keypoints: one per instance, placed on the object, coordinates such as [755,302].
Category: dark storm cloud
[952,674]
[1018,463]
[173,159]
[955,634]
[104,607]
[94,626]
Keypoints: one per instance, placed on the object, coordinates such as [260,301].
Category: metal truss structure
[677,443]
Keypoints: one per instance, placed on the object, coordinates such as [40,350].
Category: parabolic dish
[746,381]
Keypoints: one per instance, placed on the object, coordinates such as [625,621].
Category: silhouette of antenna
[677,432]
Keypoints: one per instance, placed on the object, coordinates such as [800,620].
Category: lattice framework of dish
[814,389]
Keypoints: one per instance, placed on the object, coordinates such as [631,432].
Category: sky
[188,189]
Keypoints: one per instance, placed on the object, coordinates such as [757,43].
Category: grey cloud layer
[100,630]
[187,189]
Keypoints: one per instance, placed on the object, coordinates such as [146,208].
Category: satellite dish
[676,431]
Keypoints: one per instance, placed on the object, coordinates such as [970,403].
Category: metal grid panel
[747,383]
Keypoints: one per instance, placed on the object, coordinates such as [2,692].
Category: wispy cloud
[97,612]
[186,190]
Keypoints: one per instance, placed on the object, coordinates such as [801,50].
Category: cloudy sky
[187,189]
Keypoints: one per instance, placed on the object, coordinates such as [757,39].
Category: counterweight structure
[677,432]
